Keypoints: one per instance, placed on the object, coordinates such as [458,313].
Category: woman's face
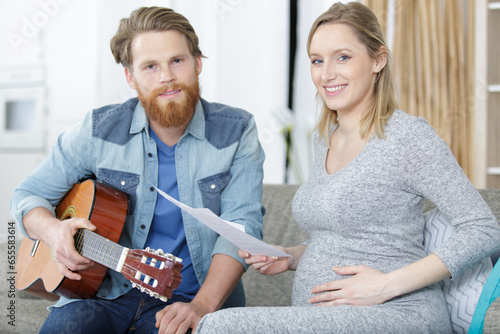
[341,69]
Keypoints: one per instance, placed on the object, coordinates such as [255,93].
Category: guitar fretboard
[98,249]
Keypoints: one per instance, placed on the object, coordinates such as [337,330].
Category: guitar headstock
[153,272]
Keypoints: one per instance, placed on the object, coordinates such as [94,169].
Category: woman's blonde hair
[365,25]
[147,19]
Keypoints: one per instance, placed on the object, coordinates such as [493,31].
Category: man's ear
[380,60]
[130,78]
[199,65]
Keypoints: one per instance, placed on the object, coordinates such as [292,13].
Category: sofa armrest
[492,318]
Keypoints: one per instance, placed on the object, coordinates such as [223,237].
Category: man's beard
[174,114]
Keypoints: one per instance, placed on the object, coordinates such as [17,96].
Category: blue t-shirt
[167,229]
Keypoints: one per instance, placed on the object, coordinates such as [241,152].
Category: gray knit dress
[370,212]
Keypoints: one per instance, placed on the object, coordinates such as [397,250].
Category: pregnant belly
[315,267]
[324,252]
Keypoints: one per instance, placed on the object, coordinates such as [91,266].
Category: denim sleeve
[241,198]
[70,161]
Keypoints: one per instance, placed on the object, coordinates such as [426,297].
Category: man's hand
[179,318]
[63,247]
[59,235]
[223,275]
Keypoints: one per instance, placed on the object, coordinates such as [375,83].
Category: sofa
[280,228]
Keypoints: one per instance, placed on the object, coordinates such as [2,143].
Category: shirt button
[123,183]
[212,186]
[143,226]
[125,285]
[151,189]
[150,155]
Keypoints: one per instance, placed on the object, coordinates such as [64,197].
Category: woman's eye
[316,61]
[344,58]
[150,67]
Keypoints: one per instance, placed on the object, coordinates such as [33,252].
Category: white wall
[246,43]
[20,47]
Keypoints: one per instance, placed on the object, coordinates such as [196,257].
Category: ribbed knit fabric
[370,212]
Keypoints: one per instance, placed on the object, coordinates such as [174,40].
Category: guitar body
[38,273]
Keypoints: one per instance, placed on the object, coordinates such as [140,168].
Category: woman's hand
[268,265]
[367,286]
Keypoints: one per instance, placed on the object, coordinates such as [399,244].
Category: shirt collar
[196,127]
[139,120]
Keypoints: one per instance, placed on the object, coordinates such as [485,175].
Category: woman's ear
[380,60]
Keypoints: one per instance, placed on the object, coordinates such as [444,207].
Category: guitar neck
[100,250]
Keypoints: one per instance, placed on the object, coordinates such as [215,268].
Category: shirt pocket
[211,188]
[124,181]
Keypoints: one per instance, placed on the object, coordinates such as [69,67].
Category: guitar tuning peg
[160,252]
[163,298]
[174,258]
[148,249]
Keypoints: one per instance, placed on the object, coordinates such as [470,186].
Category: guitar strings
[87,244]
[92,251]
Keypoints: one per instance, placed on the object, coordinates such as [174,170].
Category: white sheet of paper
[227,229]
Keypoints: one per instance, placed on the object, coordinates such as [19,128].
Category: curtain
[433,57]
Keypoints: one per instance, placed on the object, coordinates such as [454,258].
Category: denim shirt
[219,164]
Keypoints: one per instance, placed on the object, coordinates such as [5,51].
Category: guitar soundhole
[70,212]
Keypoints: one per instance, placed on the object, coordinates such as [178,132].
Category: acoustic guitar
[152,272]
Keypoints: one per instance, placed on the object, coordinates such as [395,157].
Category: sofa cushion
[280,229]
[461,293]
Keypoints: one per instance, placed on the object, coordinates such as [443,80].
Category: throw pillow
[462,293]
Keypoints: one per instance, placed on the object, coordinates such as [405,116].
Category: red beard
[174,114]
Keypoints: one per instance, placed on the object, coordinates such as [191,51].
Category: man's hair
[146,19]
[365,25]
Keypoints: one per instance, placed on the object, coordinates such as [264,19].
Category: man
[204,154]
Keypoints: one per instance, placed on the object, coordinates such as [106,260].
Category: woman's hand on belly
[366,286]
